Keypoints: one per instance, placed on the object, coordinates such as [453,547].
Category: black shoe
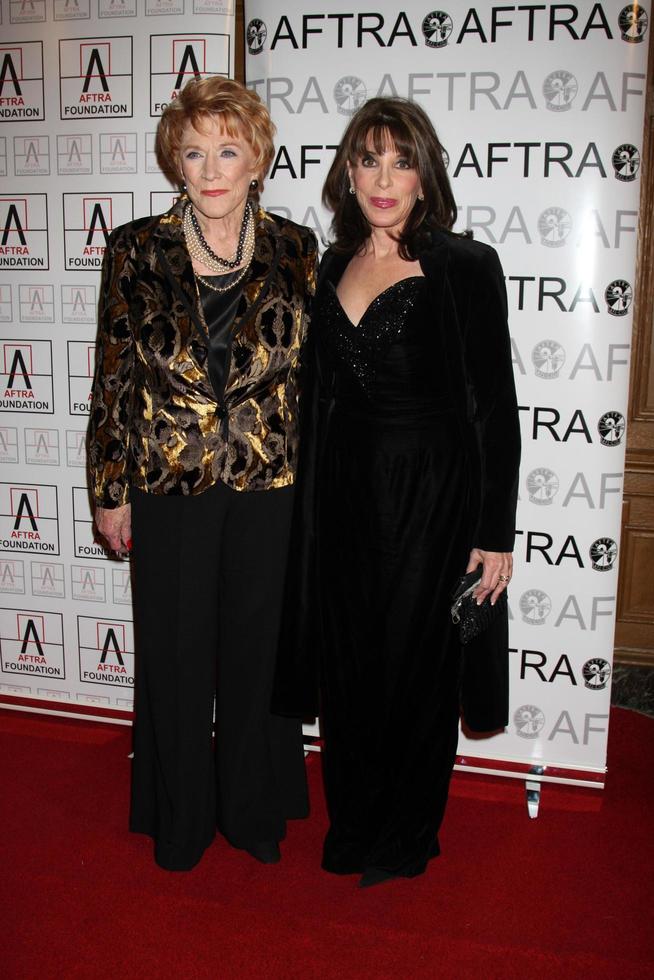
[375,876]
[265,851]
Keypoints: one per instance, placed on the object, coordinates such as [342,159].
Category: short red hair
[237,108]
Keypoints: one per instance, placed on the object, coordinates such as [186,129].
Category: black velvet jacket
[468,300]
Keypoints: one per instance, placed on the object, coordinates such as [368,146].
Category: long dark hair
[409,128]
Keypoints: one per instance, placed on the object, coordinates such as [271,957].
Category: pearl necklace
[200,250]
[222,289]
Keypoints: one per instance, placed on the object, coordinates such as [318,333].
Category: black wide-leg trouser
[208,583]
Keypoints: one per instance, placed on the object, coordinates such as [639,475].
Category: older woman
[410,479]
[193,440]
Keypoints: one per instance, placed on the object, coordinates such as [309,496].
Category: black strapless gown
[392,541]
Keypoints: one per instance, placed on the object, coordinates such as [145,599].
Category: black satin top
[219,310]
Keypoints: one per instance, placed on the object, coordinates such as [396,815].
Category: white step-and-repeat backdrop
[82,85]
[540,109]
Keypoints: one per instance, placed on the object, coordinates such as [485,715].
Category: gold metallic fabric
[156,423]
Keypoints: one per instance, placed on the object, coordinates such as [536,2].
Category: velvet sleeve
[295,690]
[489,370]
[112,391]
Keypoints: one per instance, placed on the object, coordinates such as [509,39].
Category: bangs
[229,121]
[233,126]
[384,135]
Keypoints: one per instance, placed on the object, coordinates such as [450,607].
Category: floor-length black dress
[392,541]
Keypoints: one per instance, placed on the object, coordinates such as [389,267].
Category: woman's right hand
[115,526]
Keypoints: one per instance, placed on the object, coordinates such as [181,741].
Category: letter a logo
[31,636]
[187,58]
[8,69]
[18,366]
[25,511]
[97,218]
[111,644]
[95,61]
[12,218]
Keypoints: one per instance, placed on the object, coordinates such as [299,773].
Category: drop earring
[352,190]
[254,184]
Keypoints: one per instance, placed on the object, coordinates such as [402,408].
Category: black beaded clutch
[471,618]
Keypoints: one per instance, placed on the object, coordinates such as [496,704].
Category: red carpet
[567,895]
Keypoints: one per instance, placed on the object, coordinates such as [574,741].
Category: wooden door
[634,638]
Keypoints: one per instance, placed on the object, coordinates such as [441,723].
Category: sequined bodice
[389,363]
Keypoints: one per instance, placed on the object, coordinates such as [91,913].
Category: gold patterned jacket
[155,421]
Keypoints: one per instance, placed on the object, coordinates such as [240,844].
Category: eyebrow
[236,143]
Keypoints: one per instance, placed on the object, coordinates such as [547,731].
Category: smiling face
[386,186]
[217,170]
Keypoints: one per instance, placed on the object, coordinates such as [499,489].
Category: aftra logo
[584,613]
[29,518]
[72,9]
[350,93]
[611,427]
[48,579]
[116,8]
[88,583]
[619,296]
[21,82]
[633,23]
[36,303]
[473,91]
[155,8]
[84,541]
[546,422]
[6,309]
[596,673]
[534,663]
[548,358]
[74,153]
[436,28]
[32,156]
[530,723]
[118,153]
[554,226]
[603,554]
[88,221]
[162,201]
[75,448]
[81,364]
[26,377]
[78,303]
[255,35]
[106,651]
[27,11]
[492,24]
[95,77]
[24,232]
[174,59]
[12,576]
[31,642]
[42,446]
[626,162]
[8,444]
[121,582]
[542,486]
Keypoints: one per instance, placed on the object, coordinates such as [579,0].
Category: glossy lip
[383,202]
[217,193]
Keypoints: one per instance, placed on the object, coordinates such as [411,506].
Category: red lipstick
[383,202]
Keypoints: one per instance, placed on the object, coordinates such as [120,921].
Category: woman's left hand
[498,569]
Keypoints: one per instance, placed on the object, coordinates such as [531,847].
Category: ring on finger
[505,578]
